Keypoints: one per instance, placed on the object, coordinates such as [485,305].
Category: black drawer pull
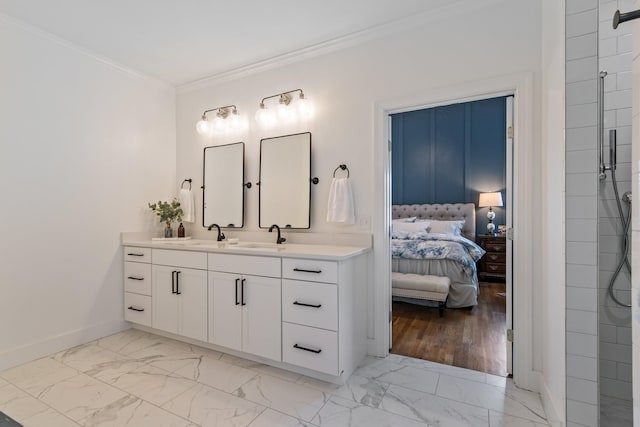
[302,270]
[135,278]
[136,309]
[135,254]
[299,347]
[307,305]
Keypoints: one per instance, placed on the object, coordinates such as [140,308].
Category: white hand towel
[341,207]
[188,205]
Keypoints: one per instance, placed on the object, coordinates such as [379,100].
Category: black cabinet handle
[173,281]
[135,309]
[135,254]
[302,270]
[135,278]
[307,305]
[299,347]
[237,302]
[242,284]
[178,283]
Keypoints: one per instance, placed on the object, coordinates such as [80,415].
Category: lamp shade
[490,199]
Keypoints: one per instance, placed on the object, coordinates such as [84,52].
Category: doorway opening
[451,173]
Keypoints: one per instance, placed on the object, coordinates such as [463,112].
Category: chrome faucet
[279,240]
[221,235]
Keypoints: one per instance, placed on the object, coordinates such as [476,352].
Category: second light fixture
[287,110]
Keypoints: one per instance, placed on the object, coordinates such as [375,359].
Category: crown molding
[38,32]
[451,10]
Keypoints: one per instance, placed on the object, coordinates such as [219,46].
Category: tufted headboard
[444,212]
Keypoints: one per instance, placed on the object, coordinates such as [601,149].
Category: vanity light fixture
[226,118]
[287,110]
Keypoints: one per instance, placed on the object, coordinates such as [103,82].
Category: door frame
[524,165]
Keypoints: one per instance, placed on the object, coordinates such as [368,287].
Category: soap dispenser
[181,230]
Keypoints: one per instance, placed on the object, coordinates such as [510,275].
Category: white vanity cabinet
[179,296]
[137,285]
[245,304]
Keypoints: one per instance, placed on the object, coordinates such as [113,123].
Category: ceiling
[183,41]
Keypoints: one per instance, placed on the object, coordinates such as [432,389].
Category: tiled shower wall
[581,189]
[615,51]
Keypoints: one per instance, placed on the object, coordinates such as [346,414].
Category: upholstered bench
[421,286]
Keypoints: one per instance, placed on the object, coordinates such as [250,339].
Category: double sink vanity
[297,307]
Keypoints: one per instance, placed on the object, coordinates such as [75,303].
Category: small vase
[168,231]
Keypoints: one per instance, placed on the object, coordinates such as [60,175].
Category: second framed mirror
[223,195]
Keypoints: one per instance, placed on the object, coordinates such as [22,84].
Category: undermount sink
[258,245]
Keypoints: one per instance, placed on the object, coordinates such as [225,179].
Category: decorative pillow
[405,235]
[446,227]
[410,219]
[410,227]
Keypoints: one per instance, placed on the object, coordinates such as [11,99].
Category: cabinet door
[225,311]
[164,302]
[261,320]
[191,286]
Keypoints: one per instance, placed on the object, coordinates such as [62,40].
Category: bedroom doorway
[449,163]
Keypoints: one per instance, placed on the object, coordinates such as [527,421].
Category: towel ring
[189,180]
[343,167]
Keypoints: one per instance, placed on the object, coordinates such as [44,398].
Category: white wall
[474,44]
[553,235]
[83,147]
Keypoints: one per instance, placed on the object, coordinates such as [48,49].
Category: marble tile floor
[134,378]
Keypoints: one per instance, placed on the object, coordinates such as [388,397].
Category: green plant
[167,211]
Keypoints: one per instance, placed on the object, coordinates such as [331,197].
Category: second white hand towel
[341,207]
[188,205]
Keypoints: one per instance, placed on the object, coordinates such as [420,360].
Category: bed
[439,254]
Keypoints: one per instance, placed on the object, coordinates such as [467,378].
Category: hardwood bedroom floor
[472,339]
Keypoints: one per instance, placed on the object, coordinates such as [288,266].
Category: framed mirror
[285,181]
[223,191]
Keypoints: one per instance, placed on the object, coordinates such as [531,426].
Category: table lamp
[490,200]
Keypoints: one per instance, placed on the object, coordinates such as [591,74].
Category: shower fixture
[619,18]
[602,167]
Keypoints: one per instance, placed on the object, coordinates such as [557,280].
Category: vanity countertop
[288,250]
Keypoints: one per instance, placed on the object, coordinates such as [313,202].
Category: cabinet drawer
[137,254]
[310,304]
[245,264]
[495,257]
[137,308]
[495,268]
[311,270]
[186,259]
[137,278]
[310,348]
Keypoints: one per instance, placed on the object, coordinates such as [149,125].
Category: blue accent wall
[451,154]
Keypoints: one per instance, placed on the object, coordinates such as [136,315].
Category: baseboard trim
[33,351]
[555,416]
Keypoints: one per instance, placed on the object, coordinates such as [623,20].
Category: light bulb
[286,112]
[234,121]
[203,127]
[264,117]
[219,124]
[305,109]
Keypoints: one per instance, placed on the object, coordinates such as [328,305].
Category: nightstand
[493,265]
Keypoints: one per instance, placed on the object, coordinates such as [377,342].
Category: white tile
[610,118]
[206,406]
[271,418]
[625,372]
[217,374]
[623,117]
[585,276]
[37,376]
[582,298]
[582,413]
[340,412]
[320,385]
[615,388]
[582,184]
[440,368]
[581,115]
[50,418]
[402,375]
[362,390]
[623,335]
[584,253]
[582,344]
[277,372]
[167,356]
[581,23]
[624,81]
[582,390]
[584,138]
[582,367]
[80,396]
[582,46]
[577,6]
[617,99]
[87,357]
[497,419]
[133,412]
[582,92]
[608,47]
[153,384]
[581,161]
[608,369]
[581,230]
[607,333]
[584,322]
[616,412]
[291,398]
[625,43]
[578,207]
[615,315]
[18,404]
[432,410]
[512,401]
[128,341]
[582,69]
[615,352]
